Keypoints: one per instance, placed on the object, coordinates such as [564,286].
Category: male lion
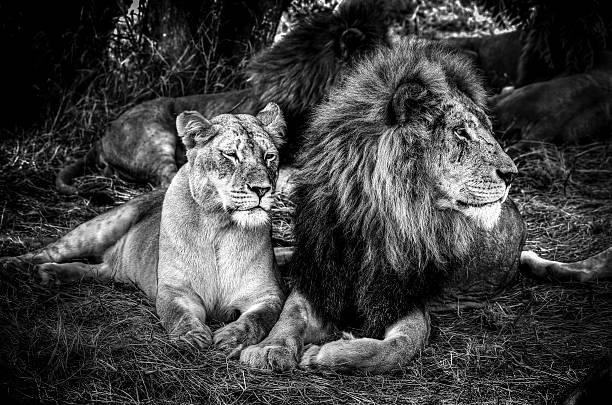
[401,195]
[203,248]
[297,72]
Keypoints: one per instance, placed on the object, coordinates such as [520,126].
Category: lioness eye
[270,157]
[462,134]
[232,155]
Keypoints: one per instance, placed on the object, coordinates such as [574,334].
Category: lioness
[203,248]
[401,196]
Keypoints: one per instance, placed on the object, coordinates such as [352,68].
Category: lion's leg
[597,267]
[282,348]
[252,326]
[155,154]
[164,162]
[63,273]
[183,315]
[401,343]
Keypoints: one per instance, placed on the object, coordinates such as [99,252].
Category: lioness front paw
[269,357]
[195,334]
[234,337]
[198,338]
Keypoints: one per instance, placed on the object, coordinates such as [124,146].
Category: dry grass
[99,342]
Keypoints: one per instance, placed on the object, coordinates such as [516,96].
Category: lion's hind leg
[597,267]
[64,273]
[401,343]
[92,238]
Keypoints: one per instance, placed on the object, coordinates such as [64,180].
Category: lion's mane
[298,71]
[370,242]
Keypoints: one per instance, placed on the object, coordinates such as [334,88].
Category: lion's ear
[408,99]
[193,128]
[350,42]
[273,121]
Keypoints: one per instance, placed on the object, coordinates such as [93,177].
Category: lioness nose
[260,191]
[507,175]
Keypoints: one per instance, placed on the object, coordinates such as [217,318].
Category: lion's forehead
[241,131]
[463,111]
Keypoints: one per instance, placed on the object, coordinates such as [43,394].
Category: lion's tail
[65,177]
[597,267]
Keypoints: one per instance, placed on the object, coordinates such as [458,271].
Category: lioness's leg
[402,342]
[282,348]
[183,315]
[94,237]
[62,273]
[597,267]
[252,326]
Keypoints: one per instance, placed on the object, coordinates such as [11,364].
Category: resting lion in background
[296,73]
[401,198]
[202,249]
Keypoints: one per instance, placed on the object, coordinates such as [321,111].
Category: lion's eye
[462,134]
[270,157]
[230,154]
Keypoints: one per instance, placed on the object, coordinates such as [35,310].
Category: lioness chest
[224,265]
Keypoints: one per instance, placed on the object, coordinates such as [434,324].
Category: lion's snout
[506,169]
[507,174]
[259,189]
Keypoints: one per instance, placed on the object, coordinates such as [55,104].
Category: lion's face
[472,172]
[237,156]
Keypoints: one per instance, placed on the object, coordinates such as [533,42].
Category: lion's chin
[251,218]
[486,215]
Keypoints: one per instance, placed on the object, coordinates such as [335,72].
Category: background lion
[296,73]
[401,191]
[200,250]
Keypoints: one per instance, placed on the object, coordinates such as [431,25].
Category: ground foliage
[101,342]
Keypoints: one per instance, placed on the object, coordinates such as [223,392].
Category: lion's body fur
[400,191]
[370,242]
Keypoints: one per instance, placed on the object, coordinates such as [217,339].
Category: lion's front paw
[234,337]
[198,338]
[309,358]
[272,356]
[193,333]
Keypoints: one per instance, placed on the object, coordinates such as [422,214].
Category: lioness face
[237,155]
[473,172]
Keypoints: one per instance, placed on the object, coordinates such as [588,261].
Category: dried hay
[99,342]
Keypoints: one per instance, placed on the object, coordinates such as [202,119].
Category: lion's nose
[260,191]
[507,175]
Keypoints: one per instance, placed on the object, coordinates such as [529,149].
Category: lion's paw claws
[269,357]
[309,358]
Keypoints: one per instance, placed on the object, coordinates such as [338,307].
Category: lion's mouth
[463,204]
[251,210]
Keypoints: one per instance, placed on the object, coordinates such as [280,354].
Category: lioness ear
[408,99]
[193,128]
[273,121]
